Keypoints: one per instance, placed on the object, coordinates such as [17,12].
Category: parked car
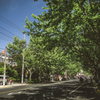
[6,79]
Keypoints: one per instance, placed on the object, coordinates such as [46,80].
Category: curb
[12,85]
[54,82]
[96,86]
[5,86]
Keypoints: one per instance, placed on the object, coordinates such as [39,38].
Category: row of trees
[73,26]
[65,37]
[39,61]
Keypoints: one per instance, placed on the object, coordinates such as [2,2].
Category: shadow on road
[57,92]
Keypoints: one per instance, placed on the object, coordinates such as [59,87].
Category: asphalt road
[65,90]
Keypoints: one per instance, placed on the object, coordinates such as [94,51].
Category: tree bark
[30,75]
[52,77]
[66,74]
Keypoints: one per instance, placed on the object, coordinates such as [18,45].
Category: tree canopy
[72,25]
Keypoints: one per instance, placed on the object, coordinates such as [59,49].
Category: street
[64,90]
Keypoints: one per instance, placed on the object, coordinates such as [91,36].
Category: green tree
[72,25]
[11,72]
[15,50]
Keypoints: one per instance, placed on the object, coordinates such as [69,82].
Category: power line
[5,39]
[8,22]
[5,19]
[6,35]
[10,32]
[10,25]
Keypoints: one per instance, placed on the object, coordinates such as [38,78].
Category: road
[65,90]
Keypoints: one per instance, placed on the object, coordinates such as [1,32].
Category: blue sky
[16,12]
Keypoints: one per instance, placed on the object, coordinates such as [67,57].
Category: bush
[30,82]
[14,79]
[18,80]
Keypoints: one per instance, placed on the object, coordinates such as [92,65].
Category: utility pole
[66,73]
[4,67]
[23,60]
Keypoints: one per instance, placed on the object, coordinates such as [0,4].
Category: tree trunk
[30,75]
[52,77]
[66,74]
[39,77]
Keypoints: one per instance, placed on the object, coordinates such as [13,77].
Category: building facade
[9,60]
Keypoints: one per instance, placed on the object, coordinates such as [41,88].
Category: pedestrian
[11,81]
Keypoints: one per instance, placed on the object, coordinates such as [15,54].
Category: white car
[6,79]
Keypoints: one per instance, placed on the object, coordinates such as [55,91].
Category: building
[9,60]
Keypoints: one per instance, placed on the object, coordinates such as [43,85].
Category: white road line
[14,93]
[19,92]
[9,93]
[76,89]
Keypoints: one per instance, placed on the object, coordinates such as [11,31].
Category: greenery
[15,51]
[72,26]
[65,37]
[9,71]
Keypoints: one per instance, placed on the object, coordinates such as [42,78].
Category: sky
[12,18]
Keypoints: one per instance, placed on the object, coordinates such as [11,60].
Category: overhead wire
[5,39]
[10,32]
[12,25]
[6,35]
[3,19]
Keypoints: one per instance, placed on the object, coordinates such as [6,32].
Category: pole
[66,73]
[4,67]
[23,62]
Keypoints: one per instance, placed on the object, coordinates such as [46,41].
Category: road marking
[14,93]
[96,86]
[19,92]
[15,90]
[9,93]
[32,87]
[76,88]
[98,89]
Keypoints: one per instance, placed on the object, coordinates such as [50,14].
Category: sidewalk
[46,83]
[19,84]
[1,86]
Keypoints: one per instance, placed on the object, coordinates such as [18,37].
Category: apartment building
[9,60]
